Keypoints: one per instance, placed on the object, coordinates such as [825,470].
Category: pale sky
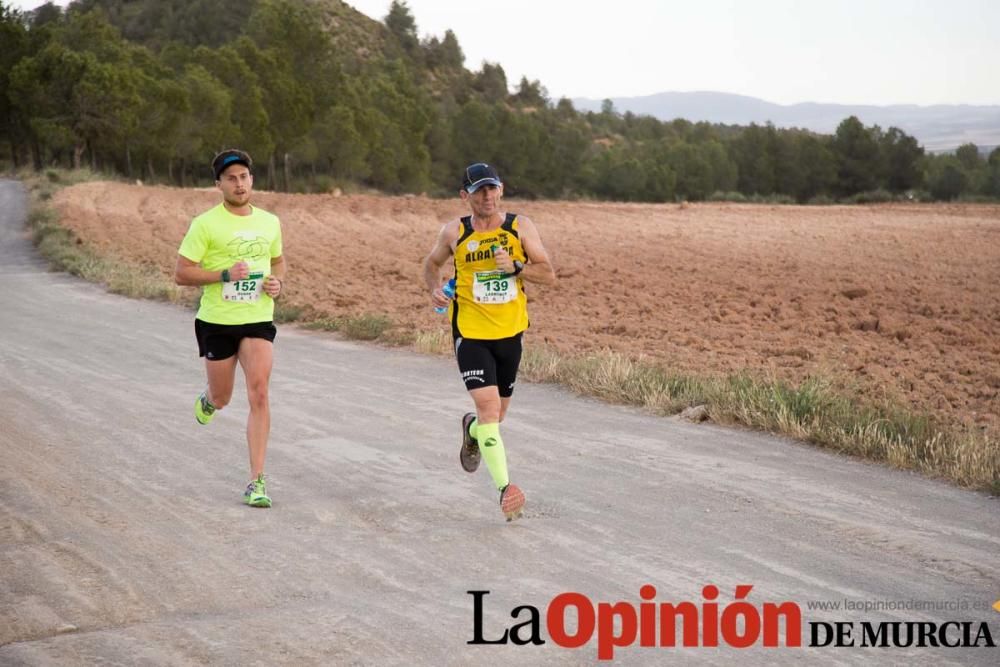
[785,51]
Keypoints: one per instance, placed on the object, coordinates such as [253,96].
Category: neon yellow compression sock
[472,428]
[491,447]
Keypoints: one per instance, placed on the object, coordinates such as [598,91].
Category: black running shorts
[221,341]
[485,363]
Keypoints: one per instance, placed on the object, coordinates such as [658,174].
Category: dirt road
[123,540]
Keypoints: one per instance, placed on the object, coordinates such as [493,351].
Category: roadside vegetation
[67,253]
[819,410]
[361,327]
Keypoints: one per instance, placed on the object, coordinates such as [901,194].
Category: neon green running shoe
[256,493]
[203,410]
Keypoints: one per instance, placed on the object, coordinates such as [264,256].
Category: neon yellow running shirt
[216,240]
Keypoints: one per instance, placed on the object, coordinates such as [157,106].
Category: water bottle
[449,291]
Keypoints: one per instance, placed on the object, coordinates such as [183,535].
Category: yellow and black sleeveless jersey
[488,304]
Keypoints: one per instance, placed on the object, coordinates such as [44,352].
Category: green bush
[359,327]
[365,327]
[772,199]
[719,196]
[287,312]
[821,200]
[976,199]
[878,196]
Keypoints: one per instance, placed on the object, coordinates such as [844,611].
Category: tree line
[322,96]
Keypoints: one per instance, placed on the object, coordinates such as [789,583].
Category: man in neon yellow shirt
[233,251]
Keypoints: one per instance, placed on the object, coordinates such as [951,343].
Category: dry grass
[814,411]
[435,341]
[367,326]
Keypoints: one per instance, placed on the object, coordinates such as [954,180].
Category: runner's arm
[275,282]
[189,274]
[442,250]
[538,268]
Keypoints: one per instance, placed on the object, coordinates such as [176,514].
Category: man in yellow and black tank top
[494,253]
[489,302]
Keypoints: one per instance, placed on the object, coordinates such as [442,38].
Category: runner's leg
[487,432]
[256,356]
[507,353]
[221,375]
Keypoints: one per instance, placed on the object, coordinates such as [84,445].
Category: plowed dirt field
[899,300]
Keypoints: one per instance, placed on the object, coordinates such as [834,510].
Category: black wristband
[225,275]
[518,267]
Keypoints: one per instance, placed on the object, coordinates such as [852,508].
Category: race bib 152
[248,289]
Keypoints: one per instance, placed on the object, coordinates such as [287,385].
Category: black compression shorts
[485,363]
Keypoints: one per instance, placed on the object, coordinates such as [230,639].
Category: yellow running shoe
[203,410]
[256,493]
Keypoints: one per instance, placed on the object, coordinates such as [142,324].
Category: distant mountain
[939,127]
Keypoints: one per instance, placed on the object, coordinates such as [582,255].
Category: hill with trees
[322,97]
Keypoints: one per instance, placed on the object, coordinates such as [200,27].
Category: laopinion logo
[571,620]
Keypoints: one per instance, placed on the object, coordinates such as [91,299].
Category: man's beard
[238,200]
